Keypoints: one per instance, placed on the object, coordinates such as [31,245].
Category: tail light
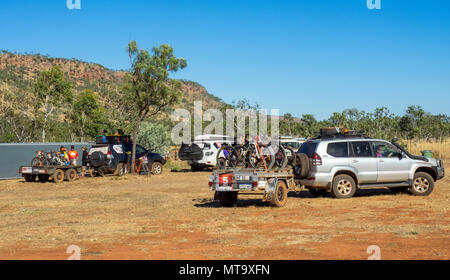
[316,160]
[109,152]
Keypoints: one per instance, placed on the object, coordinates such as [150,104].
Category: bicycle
[261,155]
[39,159]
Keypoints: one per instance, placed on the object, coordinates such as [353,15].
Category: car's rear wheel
[157,168]
[423,184]
[343,186]
[121,169]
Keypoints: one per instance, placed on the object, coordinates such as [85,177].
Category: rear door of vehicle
[391,166]
[363,160]
[337,155]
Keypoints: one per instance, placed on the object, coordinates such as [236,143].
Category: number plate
[27,170]
[245,186]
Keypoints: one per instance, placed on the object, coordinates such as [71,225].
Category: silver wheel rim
[157,169]
[421,184]
[344,187]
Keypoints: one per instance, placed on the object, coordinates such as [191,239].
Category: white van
[203,151]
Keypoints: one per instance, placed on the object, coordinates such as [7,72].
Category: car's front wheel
[423,184]
[343,186]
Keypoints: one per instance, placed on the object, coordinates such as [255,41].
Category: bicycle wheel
[290,154]
[36,162]
[227,157]
[241,158]
[255,158]
[281,159]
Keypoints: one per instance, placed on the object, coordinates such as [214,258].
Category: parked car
[202,153]
[291,145]
[342,163]
[109,155]
[112,154]
[156,161]
[292,142]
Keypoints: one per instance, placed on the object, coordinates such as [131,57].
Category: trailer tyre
[227,199]
[58,176]
[30,178]
[279,198]
[70,174]
[43,178]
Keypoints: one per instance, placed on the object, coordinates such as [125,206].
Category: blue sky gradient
[313,56]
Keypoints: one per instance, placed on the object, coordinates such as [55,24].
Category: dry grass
[440,149]
[173,216]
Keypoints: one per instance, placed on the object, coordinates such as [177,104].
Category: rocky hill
[18,72]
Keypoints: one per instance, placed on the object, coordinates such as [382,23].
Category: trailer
[55,173]
[273,186]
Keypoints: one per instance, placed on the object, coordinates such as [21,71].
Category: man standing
[73,156]
[84,159]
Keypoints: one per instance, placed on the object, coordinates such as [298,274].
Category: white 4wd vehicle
[341,164]
[202,153]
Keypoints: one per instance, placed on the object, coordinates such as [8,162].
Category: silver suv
[341,165]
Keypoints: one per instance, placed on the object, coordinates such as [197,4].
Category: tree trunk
[133,151]
[43,132]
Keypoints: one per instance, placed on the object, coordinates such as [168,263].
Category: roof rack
[340,133]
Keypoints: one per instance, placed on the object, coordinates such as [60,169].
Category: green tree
[87,115]
[155,136]
[309,126]
[288,125]
[148,87]
[52,92]
[16,110]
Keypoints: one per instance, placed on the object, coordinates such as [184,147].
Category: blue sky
[312,56]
